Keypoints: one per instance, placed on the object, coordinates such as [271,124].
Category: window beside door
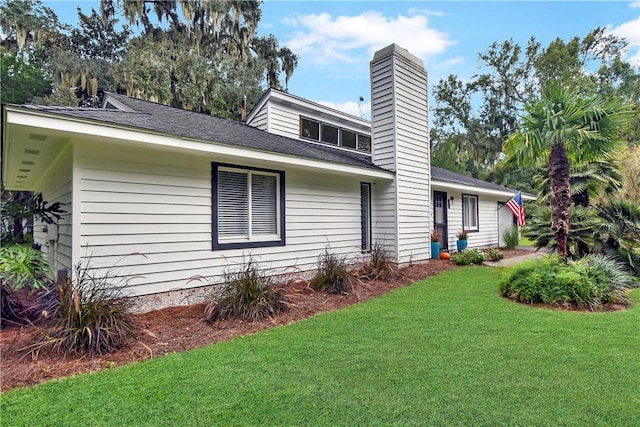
[470,212]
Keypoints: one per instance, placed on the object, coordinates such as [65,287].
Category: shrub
[469,256]
[92,316]
[580,239]
[24,267]
[495,254]
[381,266]
[511,237]
[21,267]
[333,275]
[589,283]
[435,236]
[462,235]
[608,273]
[247,294]
[12,311]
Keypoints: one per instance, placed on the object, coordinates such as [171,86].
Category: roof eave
[47,120]
[473,189]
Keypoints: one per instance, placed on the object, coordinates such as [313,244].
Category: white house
[168,196]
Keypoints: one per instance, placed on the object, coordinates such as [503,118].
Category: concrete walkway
[518,259]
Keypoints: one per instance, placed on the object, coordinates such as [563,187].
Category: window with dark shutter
[248,207]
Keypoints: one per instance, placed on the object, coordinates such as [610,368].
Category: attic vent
[37,137]
[24,170]
[27,162]
[27,151]
[22,176]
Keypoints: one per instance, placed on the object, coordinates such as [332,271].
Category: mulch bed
[176,329]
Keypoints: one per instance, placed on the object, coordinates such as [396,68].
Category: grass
[446,351]
[524,241]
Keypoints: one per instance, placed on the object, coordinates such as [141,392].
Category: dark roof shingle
[445,175]
[160,118]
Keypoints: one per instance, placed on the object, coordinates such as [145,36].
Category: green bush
[469,256]
[92,316]
[511,237]
[333,274]
[589,283]
[247,294]
[24,267]
[495,254]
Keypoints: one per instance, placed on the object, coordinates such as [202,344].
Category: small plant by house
[333,274]
[495,254]
[588,283]
[380,266]
[21,268]
[92,316]
[247,294]
[511,237]
[435,236]
[462,235]
[469,257]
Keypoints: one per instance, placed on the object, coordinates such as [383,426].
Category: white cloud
[426,12]
[355,38]
[630,31]
[635,4]
[350,107]
[448,63]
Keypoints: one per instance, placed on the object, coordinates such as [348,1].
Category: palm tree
[565,130]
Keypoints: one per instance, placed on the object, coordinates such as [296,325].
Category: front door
[440,217]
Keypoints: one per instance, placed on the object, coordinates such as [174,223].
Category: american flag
[517,208]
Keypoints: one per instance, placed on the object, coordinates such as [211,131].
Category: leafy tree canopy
[477,116]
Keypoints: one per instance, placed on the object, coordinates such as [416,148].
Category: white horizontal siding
[383,215]
[56,242]
[383,150]
[149,217]
[487,234]
[284,121]
[401,143]
[260,119]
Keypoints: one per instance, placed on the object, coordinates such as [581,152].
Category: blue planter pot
[435,250]
[462,245]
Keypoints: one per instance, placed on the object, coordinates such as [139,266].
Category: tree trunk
[18,232]
[559,170]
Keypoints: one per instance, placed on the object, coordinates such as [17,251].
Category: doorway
[440,217]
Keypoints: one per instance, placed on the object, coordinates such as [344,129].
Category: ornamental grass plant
[91,315]
[334,275]
[247,294]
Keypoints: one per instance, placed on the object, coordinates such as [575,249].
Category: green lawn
[446,351]
[524,241]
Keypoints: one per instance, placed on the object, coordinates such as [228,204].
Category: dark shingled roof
[155,117]
[444,175]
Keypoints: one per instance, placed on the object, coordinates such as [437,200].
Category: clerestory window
[333,135]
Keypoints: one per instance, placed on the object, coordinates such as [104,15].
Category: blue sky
[335,40]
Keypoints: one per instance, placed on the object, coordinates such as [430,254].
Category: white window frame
[248,240]
[466,209]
